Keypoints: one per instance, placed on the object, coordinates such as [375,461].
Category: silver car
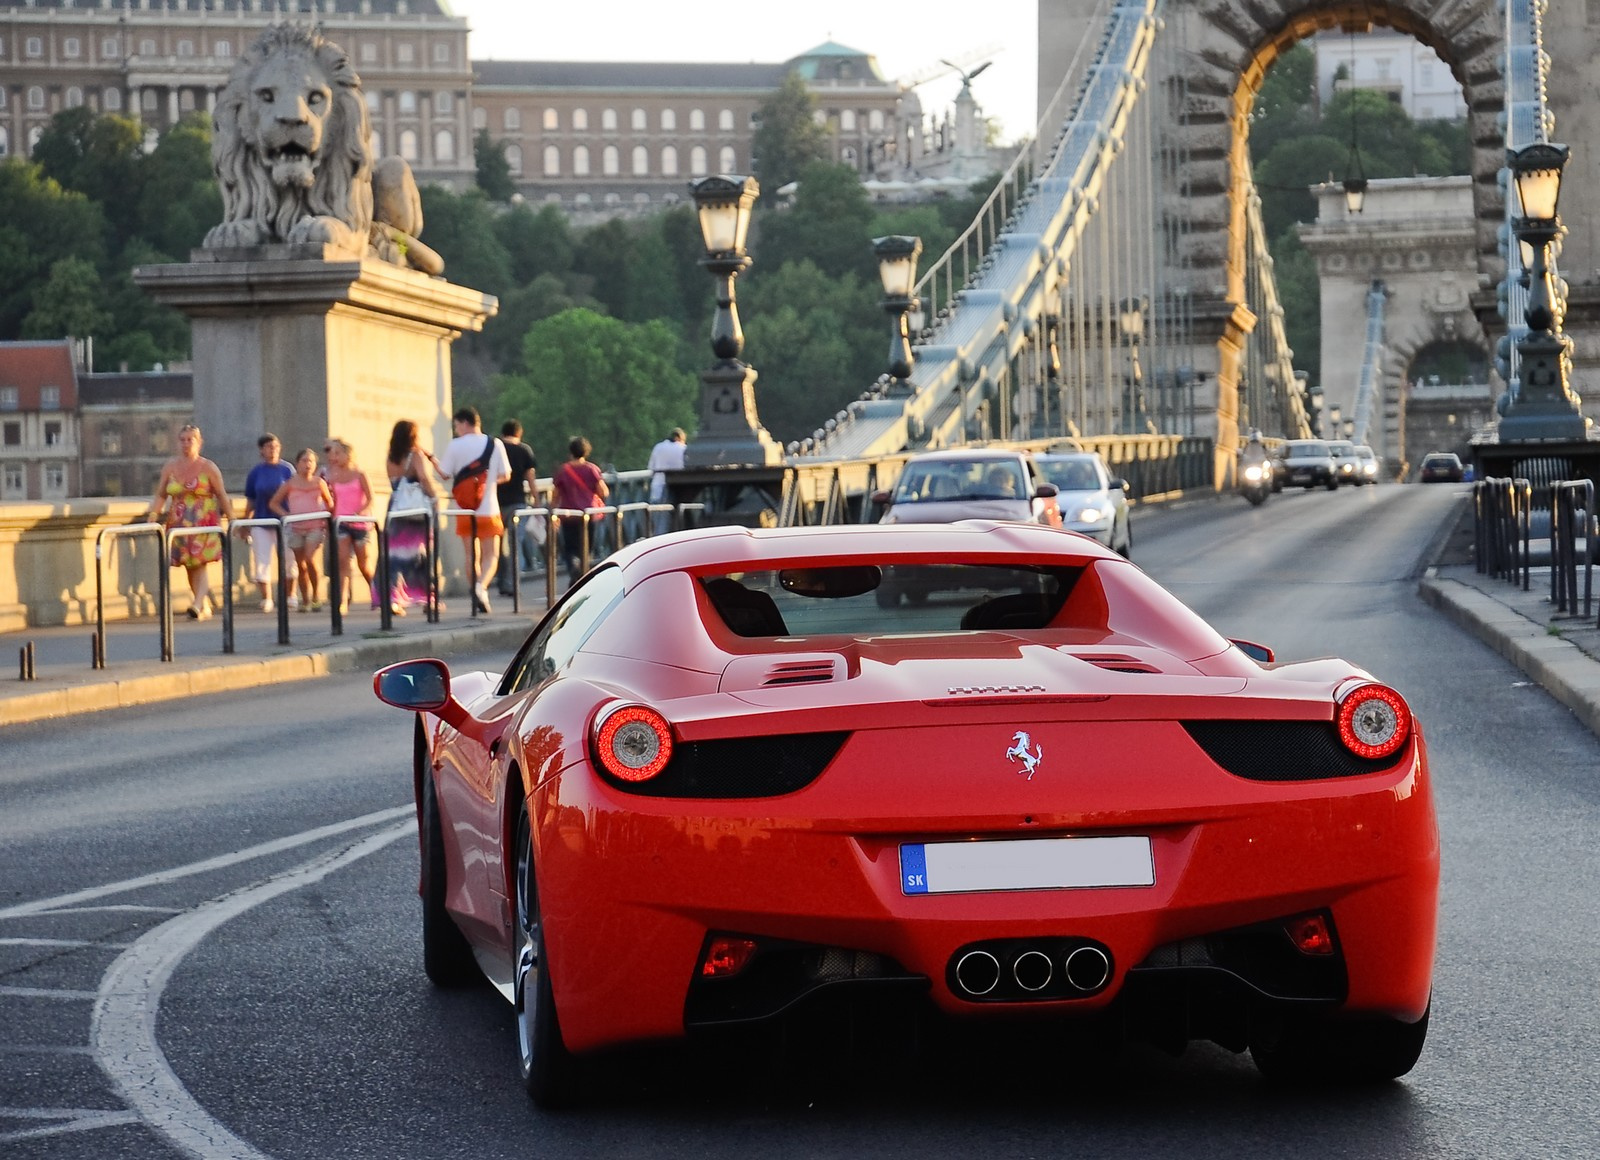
[1093,501]
[970,483]
[1346,463]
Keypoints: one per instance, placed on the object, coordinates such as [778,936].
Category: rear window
[869,600]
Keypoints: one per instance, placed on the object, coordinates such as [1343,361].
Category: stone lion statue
[292,148]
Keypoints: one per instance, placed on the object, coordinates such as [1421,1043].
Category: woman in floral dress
[190,494]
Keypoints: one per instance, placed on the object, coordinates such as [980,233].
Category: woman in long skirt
[410,473]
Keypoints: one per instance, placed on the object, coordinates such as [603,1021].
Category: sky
[906,38]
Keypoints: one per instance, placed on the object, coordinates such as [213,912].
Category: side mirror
[1046,491]
[422,686]
[1123,485]
[880,498]
[1259,653]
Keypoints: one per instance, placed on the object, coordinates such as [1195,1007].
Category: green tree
[618,384]
[143,332]
[461,228]
[178,196]
[494,171]
[546,295]
[99,157]
[829,224]
[43,224]
[787,136]
[537,241]
[68,304]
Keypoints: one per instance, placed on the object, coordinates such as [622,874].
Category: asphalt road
[208,932]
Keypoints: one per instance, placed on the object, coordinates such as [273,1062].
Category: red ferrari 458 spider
[721,782]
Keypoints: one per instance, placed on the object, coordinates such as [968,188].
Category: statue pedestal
[308,342]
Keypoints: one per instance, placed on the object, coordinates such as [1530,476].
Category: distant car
[1369,464]
[1309,463]
[1346,463]
[1441,467]
[970,483]
[1092,500]
[720,788]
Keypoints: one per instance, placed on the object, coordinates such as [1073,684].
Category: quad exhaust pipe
[1051,969]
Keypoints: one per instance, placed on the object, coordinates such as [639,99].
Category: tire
[446,955]
[550,1073]
[1332,485]
[1357,1051]
[1126,551]
[886,597]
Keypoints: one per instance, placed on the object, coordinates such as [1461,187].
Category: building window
[552,119]
[74,97]
[580,161]
[72,48]
[552,161]
[5,142]
[514,158]
[512,119]
[408,144]
[669,161]
[369,52]
[697,121]
[147,48]
[669,121]
[52,434]
[408,103]
[374,101]
[725,160]
[34,46]
[377,144]
[222,49]
[641,199]
[610,161]
[110,48]
[35,97]
[13,434]
[725,120]
[55,479]
[875,120]
[480,117]
[2,97]
[444,145]
[13,479]
[160,438]
[185,48]
[405,53]
[9,400]
[580,120]
[608,120]
[820,116]
[49,398]
[641,121]
[847,121]
[641,161]
[443,104]
[697,161]
[441,53]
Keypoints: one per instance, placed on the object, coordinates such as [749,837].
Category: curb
[231,675]
[1558,666]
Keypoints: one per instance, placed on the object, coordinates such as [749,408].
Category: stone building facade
[161,60]
[130,425]
[38,420]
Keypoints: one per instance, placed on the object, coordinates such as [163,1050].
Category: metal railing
[1572,516]
[163,586]
[1502,527]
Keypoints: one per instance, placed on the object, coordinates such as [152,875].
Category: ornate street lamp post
[730,432]
[1544,405]
[897,267]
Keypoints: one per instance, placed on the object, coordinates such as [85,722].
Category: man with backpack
[474,465]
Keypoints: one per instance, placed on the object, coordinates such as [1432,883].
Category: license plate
[1025,864]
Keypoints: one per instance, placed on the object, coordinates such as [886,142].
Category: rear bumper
[630,896]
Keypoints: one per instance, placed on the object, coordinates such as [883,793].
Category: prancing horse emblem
[1020,741]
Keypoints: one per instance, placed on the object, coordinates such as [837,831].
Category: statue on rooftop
[292,147]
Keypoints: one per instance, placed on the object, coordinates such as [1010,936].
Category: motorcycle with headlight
[1255,481]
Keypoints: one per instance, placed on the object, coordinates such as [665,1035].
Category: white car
[1346,463]
[1093,501]
[1368,472]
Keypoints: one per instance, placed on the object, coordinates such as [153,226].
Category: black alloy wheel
[446,955]
[550,1073]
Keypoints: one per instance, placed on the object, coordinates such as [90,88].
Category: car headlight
[1089,515]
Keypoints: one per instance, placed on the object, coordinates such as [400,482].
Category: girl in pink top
[352,496]
[302,493]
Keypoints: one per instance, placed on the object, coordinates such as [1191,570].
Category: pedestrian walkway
[1558,651]
[67,683]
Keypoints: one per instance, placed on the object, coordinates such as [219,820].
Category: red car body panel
[630,884]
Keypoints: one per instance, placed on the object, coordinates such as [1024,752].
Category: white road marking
[57,942]
[63,901]
[122,1033]
[73,1120]
[43,993]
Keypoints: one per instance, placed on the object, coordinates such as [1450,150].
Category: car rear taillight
[1310,934]
[633,743]
[726,956]
[1374,721]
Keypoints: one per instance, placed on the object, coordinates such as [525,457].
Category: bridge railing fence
[1572,518]
[1502,528]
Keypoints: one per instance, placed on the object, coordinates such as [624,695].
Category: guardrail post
[227,592]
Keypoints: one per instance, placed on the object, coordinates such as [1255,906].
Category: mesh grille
[1282,750]
[740,767]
